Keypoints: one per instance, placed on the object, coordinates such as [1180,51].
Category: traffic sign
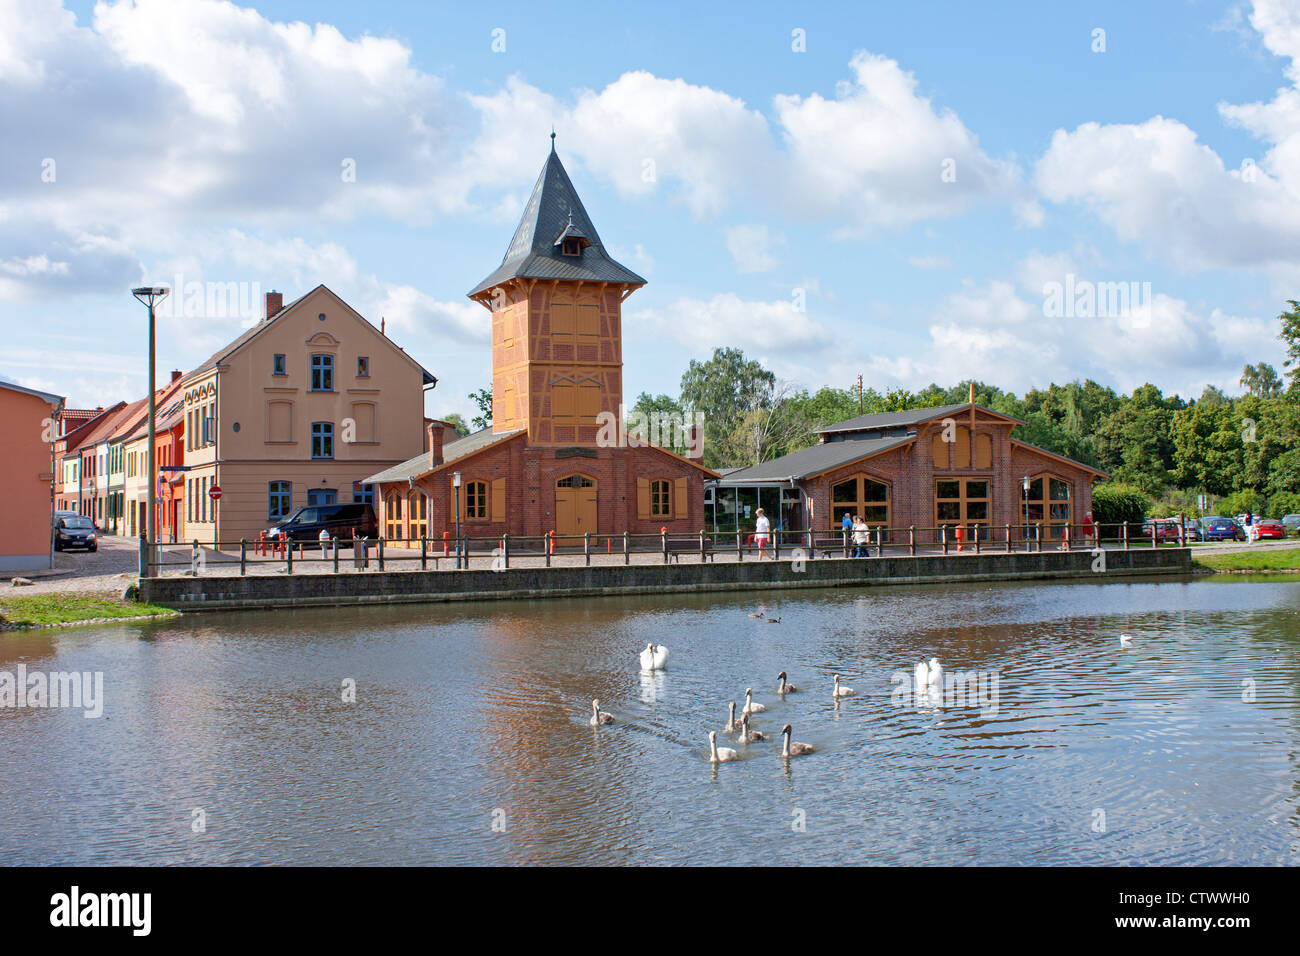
[214,492]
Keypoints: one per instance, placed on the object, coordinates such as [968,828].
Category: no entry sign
[214,492]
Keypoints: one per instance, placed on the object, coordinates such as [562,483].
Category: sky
[913,193]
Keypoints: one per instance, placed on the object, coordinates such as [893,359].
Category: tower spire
[552,137]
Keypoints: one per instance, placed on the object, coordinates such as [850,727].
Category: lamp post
[150,296]
[455,484]
[1024,483]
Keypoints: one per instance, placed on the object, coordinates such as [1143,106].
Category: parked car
[1291,523]
[1269,528]
[1166,529]
[341,521]
[74,531]
[1192,529]
[1218,528]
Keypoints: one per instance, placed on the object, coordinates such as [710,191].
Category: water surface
[470,715]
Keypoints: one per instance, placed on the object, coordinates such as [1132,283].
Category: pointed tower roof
[554,212]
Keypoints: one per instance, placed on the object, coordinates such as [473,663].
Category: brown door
[575,505]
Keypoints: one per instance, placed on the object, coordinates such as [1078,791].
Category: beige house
[296,411]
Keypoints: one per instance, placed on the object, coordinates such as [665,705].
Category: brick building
[557,373]
[947,466]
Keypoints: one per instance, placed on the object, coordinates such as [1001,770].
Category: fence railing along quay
[504,551]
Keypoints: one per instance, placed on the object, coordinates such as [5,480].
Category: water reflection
[468,740]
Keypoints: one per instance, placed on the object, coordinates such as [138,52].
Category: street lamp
[455,484]
[150,296]
[1024,483]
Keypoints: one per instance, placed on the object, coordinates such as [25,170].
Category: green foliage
[1284,503]
[1114,503]
[1261,380]
[725,389]
[1240,502]
[483,399]
[457,422]
[1290,336]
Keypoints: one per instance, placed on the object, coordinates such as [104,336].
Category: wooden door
[575,505]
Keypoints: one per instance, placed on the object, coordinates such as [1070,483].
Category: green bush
[1114,502]
[1239,502]
[1284,503]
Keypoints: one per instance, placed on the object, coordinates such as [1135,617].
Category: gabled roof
[906,418]
[219,356]
[815,460]
[419,466]
[1051,454]
[75,438]
[108,424]
[552,211]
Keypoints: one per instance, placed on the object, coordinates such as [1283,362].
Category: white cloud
[727,320]
[751,248]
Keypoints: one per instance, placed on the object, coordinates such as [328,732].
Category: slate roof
[814,460]
[419,465]
[533,252]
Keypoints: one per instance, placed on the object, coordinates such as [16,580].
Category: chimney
[435,444]
[176,375]
[972,393]
[274,303]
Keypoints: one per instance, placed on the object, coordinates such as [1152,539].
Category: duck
[842,691]
[732,724]
[1125,640]
[654,657]
[793,748]
[759,614]
[718,754]
[598,716]
[785,688]
[750,706]
[773,620]
[750,736]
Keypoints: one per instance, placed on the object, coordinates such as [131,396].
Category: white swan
[795,749]
[718,754]
[842,691]
[1125,641]
[598,716]
[750,706]
[922,677]
[654,657]
[750,736]
[936,673]
[732,724]
[785,688]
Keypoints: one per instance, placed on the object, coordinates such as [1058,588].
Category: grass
[1282,559]
[44,609]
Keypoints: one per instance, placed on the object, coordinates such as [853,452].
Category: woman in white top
[860,537]
[762,527]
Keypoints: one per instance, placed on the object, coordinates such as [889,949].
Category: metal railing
[504,551]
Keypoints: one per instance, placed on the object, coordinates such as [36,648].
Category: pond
[226,738]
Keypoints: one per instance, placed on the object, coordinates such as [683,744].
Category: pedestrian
[1250,527]
[762,528]
[860,537]
[1087,529]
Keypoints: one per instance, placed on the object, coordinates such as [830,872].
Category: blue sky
[206,140]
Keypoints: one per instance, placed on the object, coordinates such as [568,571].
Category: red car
[1166,529]
[1268,528]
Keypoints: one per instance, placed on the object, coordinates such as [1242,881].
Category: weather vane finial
[552,137]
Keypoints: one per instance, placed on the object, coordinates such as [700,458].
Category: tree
[457,422]
[724,390]
[661,420]
[767,431]
[1208,448]
[1290,336]
[483,399]
[1261,380]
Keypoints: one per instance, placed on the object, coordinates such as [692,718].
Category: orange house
[27,435]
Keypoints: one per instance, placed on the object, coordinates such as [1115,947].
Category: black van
[340,521]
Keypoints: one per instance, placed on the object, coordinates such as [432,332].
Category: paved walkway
[114,566]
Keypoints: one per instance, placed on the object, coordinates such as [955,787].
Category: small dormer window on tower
[572,240]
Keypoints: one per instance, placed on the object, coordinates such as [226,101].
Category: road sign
[214,492]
